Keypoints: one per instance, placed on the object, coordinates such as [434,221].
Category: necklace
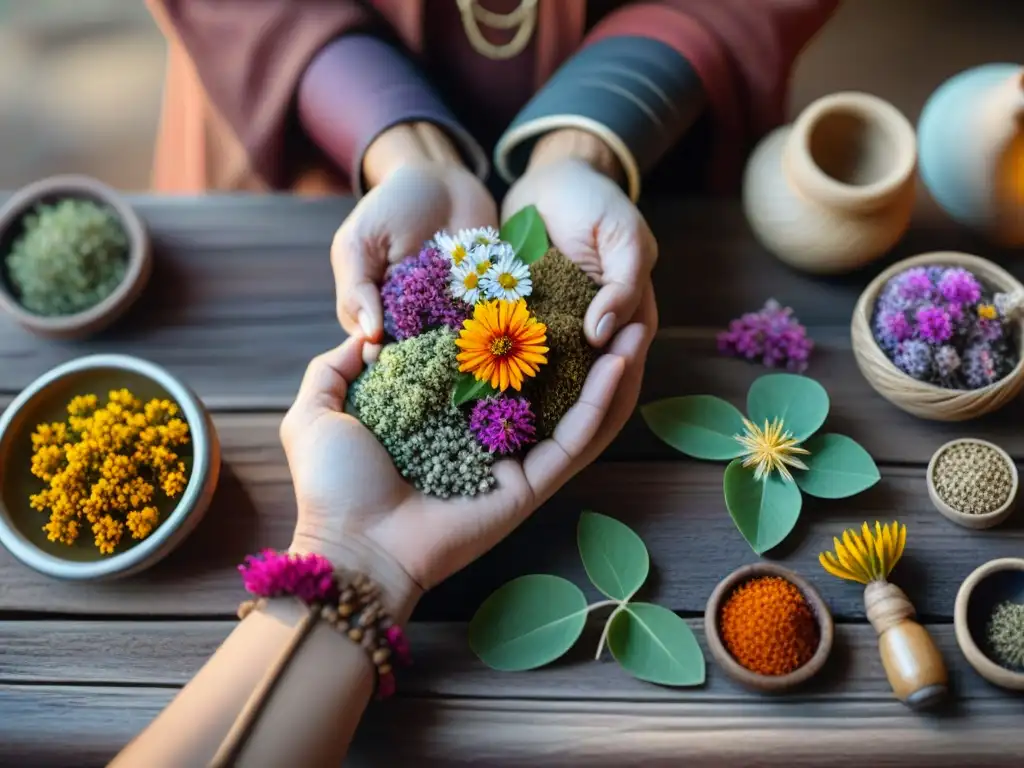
[523,19]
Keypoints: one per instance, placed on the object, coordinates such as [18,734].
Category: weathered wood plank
[676,506]
[242,296]
[95,722]
[168,653]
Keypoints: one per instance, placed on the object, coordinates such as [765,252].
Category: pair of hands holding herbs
[353,505]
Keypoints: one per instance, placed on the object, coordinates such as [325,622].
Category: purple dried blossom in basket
[946,361]
[958,286]
[934,324]
[915,285]
[914,358]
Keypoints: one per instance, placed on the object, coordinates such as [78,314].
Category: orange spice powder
[768,627]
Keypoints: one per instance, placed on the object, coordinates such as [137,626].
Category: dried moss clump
[559,286]
[405,400]
[1006,635]
[71,256]
[559,383]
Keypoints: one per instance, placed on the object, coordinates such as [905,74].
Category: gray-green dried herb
[972,478]
[1005,634]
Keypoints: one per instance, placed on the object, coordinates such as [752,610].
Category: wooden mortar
[912,661]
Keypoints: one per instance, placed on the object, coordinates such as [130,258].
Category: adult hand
[355,508]
[590,219]
[418,186]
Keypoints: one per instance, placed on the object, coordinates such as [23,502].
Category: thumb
[358,270]
[627,258]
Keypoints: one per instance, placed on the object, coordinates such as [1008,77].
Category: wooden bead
[381,655]
[345,610]
[347,595]
[328,613]
[355,634]
[369,638]
[367,618]
[384,669]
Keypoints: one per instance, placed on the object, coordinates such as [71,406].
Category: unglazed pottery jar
[971,134]
[834,190]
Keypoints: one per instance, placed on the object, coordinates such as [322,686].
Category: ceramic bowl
[989,585]
[739,673]
[929,401]
[45,400]
[99,316]
[976,522]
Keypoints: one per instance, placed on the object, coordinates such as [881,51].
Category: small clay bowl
[45,400]
[98,316]
[739,673]
[976,522]
[989,585]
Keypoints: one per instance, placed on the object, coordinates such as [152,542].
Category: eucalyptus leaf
[765,511]
[526,233]
[614,557]
[654,644]
[837,467]
[468,388]
[701,426]
[528,622]
[801,403]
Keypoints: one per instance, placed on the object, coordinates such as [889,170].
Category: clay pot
[971,134]
[101,315]
[834,190]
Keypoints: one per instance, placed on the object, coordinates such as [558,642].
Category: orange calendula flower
[502,344]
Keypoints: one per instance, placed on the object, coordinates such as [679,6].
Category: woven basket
[924,400]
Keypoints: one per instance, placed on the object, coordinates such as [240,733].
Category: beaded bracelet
[348,602]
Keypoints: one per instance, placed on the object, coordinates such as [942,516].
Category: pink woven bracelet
[349,602]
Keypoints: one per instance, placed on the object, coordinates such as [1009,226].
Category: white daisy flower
[486,256]
[452,247]
[465,282]
[478,236]
[507,279]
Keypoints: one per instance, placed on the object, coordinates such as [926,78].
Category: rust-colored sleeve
[250,56]
[742,50]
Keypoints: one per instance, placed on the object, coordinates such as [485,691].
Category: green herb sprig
[533,620]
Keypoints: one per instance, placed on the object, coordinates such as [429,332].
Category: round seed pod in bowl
[925,399]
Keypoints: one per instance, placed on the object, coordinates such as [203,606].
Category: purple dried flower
[958,286]
[892,328]
[503,424]
[269,574]
[772,334]
[416,296]
[934,324]
[946,361]
[981,365]
[914,358]
[915,284]
[988,330]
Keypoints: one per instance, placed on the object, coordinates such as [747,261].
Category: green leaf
[614,557]
[655,645]
[526,234]
[765,511]
[468,388]
[701,426]
[801,403]
[837,467]
[528,622]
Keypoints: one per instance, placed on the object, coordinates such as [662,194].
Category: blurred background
[80,80]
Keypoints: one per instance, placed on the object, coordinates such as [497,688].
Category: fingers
[627,257]
[325,384]
[551,462]
[358,270]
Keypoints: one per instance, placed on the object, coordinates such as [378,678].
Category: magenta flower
[399,644]
[934,324]
[772,334]
[272,574]
[958,286]
[503,424]
[416,296]
[895,326]
[915,284]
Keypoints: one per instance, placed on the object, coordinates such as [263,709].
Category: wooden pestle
[910,657]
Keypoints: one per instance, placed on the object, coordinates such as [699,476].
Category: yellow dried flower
[865,557]
[103,468]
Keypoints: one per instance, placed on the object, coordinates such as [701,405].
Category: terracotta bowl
[739,673]
[99,316]
[45,400]
[989,585]
[976,522]
[929,401]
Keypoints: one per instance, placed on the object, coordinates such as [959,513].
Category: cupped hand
[393,221]
[356,509]
[593,222]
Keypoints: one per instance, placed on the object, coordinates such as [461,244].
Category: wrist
[405,144]
[580,145]
[357,554]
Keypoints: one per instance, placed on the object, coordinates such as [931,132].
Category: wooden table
[242,298]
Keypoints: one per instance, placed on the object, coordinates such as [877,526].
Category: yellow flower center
[470,281]
[458,254]
[482,267]
[501,346]
[482,240]
[770,449]
[987,311]
[507,281]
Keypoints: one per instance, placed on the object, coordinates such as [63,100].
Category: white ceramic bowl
[45,399]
